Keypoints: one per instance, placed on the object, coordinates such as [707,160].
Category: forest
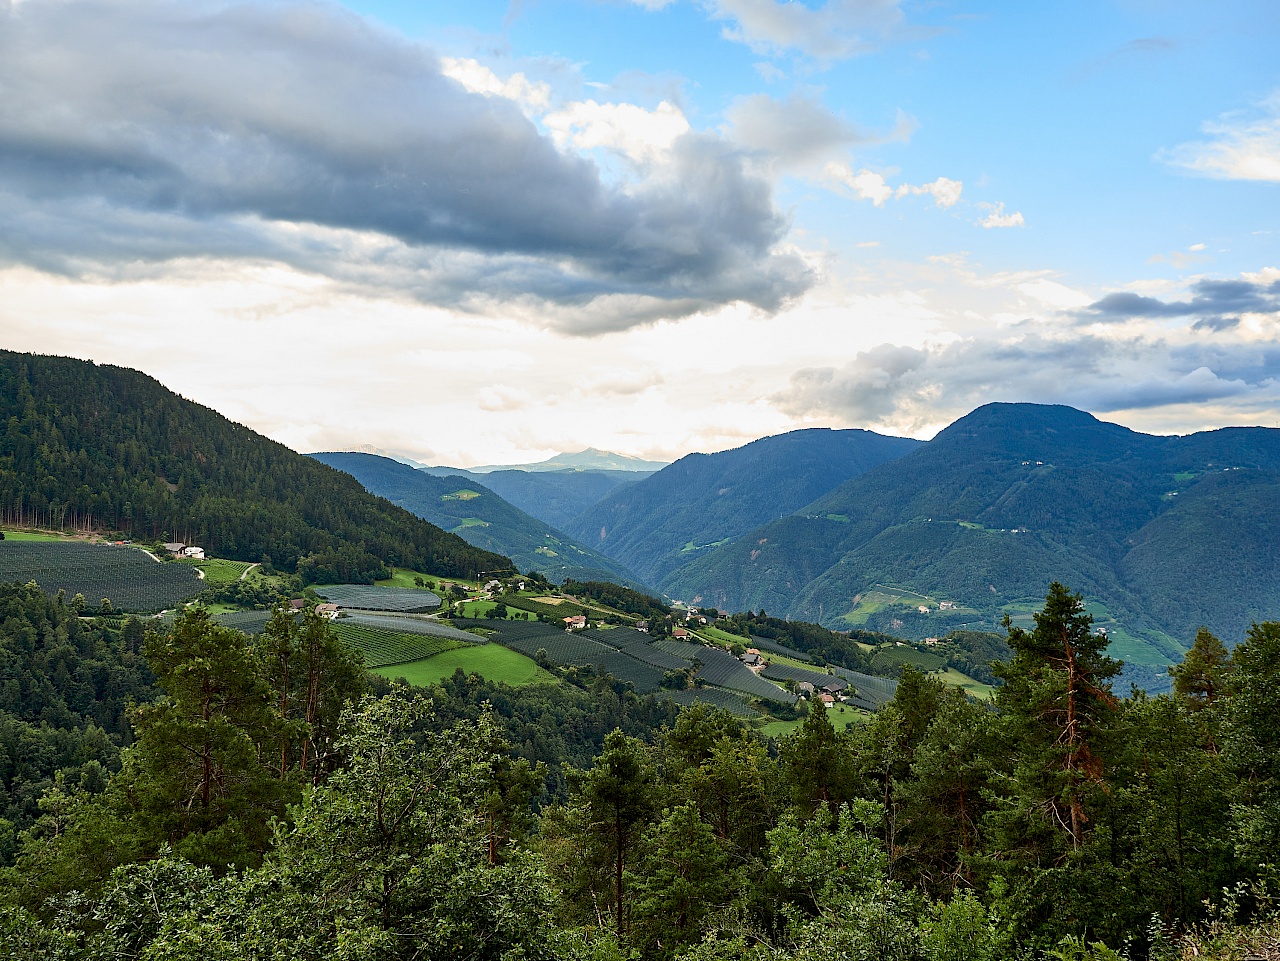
[197,793]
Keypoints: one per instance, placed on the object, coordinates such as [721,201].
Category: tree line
[274,804]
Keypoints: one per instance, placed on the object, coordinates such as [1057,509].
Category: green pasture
[218,571]
[781,729]
[32,536]
[462,495]
[953,678]
[466,522]
[491,661]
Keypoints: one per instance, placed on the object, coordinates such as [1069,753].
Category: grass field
[781,729]
[218,571]
[32,536]
[491,661]
[953,678]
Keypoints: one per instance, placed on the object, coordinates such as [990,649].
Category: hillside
[557,497]
[704,500]
[1161,533]
[479,516]
[90,446]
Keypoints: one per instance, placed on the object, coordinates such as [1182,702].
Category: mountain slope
[589,459]
[479,516]
[557,497]
[110,448]
[703,500]
[1011,497]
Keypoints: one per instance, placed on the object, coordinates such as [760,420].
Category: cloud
[911,387]
[944,190]
[996,217]
[835,31]
[1241,147]
[1212,302]
[642,136]
[136,132]
[794,130]
[869,185]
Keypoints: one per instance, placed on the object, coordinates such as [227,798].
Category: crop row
[715,697]
[367,598]
[868,692]
[724,670]
[579,650]
[652,655]
[773,647]
[129,578]
[411,625]
[785,672]
[508,632]
[681,649]
[888,658]
[382,648]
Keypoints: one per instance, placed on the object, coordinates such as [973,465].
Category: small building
[827,699]
[327,610]
[750,659]
[930,641]
[834,685]
[194,553]
[577,622]
[923,608]
[806,689]
[680,634]
[946,605]
[174,548]
[297,604]
[642,626]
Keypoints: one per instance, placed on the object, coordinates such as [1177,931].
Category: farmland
[785,672]
[894,656]
[382,647]
[131,579]
[722,669]
[407,624]
[491,661]
[869,693]
[366,598]
[218,571]
[726,700]
[773,647]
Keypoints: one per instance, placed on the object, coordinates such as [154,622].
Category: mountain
[479,516]
[705,500]
[109,448]
[589,459]
[557,497]
[1160,534]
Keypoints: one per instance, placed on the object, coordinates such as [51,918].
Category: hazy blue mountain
[557,497]
[589,459]
[479,516]
[1161,533]
[705,500]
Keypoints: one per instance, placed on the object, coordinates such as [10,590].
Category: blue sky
[486,232]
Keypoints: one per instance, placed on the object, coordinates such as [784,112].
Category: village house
[327,610]
[193,553]
[577,622]
[642,626]
[680,634]
[751,659]
[174,548]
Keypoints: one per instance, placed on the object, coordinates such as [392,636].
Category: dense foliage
[473,820]
[618,597]
[100,447]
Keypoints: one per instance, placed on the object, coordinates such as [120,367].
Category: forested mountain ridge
[103,447]
[702,500]
[1013,496]
[479,516]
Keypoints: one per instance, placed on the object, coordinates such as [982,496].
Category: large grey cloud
[1211,302]
[141,131]
[910,386]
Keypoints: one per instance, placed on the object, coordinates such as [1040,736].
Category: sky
[489,232]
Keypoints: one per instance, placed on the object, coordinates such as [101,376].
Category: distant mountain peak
[589,459]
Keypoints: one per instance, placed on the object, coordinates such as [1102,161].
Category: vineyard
[773,647]
[411,625]
[681,649]
[869,693]
[714,697]
[579,650]
[785,672]
[724,670]
[250,622]
[407,600]
[131,579]
[890,658]
[651,655]
[383,648]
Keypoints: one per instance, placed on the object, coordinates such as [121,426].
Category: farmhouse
[576,623]
[174,548]
[751,659]
[642,626]
[680,634]
[327,610]
[195,553]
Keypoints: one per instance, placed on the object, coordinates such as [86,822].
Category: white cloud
[1241,147]
[477,78]
[836,30]
[794,130]
[998,218]
[945,191]
[643,136]
[869,185]
[865,184]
